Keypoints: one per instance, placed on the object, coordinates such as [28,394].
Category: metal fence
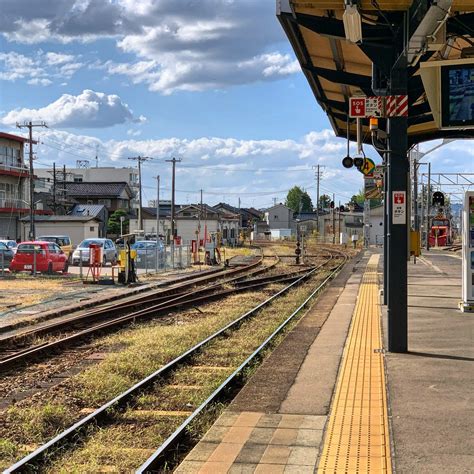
[159,260]
[147,260]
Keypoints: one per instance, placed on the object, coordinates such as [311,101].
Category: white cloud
[206,44]
[39,68]
[39,82]
[222,166]
[53,59]
[87,110]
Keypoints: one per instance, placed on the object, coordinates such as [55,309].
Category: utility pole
[173,161]
[30,126]
[318,178]
[199,225]
[428,205]
[157,208]
[339,220]
[333,218]
[54,187]
[139,159]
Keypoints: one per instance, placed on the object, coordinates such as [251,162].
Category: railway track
[71,331]
[166,287]
[126,407]
[114,315]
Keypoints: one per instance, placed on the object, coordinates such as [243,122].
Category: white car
[110,253]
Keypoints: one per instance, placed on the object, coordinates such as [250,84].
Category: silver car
[110,253]
[150,254]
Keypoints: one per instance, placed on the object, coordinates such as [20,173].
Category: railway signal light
[358,161]
[438,198]
[341,209]
[331,205]
[347,162]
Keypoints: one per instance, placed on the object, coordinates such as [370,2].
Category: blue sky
[213,82]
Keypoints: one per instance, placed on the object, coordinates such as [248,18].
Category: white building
[192,222]
[77,228]
[376,229]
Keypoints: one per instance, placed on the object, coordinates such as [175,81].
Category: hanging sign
[367,167]
[366,106]
[399,207]
[357,106]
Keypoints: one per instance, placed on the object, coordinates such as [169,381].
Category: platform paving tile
[276,455]
[270,469]
[242,468]
[261,435]
[271,420]
[303,456]
[189,467]
[298,469]
[251,453]
[216,434]
[202,451]
[309,437]
[284,436]
[237,434]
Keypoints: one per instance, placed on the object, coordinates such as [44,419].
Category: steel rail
[21,356]
[104,311]
[29,462]
[151,464]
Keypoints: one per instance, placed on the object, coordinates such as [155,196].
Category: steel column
[398,170]
[385,230]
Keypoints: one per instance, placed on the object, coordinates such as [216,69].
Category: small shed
[77,228]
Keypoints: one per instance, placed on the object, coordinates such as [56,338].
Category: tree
[324,201]
[113,224]
[298,200]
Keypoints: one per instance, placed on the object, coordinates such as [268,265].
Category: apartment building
[14,184]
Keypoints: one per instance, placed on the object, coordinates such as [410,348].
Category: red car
[49,258]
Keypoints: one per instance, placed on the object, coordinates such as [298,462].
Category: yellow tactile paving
[357,437]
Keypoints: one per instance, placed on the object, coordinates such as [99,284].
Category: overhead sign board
[399,207]
[378,106]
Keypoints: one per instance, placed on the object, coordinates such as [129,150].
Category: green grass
[144,349]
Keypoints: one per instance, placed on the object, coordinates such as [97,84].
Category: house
[14,185]
[48,178]
[191,222]
[113,195]
[76,227]
[280,217]
[248,216]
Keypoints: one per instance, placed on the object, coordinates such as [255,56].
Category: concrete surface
[431,388]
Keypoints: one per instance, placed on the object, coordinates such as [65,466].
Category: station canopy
[337,69]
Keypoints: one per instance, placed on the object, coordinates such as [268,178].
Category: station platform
[330,399]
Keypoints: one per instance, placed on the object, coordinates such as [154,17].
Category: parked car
[11,244]
[110,253]
[6,255]
[47,257]
[64,242]
[147,253]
